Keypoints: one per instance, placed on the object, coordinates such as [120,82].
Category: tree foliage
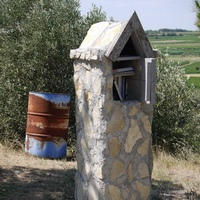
[197,10]
[96,14]
[35,41]
[175,124]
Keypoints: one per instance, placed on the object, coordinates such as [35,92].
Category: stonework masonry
[113,138]
[114,156]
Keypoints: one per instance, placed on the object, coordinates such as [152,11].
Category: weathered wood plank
[128,58]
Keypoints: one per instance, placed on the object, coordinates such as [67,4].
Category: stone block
[118,169]
[114,146]
[108,107]
[144,147]
[133,197]
[134,134]
[116,122]
[126,193]
[143,170]
[144,191]
[115,193]
[146,123]
[109,81]
[134,110]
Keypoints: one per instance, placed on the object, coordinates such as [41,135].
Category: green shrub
[35,42]
[175,123]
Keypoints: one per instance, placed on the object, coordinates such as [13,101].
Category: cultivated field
[183,44]
[183,48]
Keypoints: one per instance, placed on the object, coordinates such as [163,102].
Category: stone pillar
[114,155]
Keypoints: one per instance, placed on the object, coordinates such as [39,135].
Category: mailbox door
[149,81]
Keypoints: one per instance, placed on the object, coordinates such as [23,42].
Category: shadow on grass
[38,184]
[31,184]
[170,191]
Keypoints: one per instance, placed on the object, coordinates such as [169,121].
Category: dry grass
[26,177]
[170,41]
[183,58]
[176,178]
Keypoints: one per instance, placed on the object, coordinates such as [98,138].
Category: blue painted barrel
[47,124]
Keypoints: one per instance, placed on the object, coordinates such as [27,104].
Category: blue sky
[153,14]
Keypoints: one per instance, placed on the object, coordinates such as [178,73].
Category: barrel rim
[64,94]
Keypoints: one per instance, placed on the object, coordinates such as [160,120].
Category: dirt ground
[193,75]
[24,177]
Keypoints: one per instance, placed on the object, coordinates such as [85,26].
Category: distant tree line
[172,30]
[166,32]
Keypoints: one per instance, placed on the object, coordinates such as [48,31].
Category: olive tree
[197,10]
[35,41]
[175,123]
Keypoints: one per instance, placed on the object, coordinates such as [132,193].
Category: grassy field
[193,68]
[183,48]
[195,81]
[186,45]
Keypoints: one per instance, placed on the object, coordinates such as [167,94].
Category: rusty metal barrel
[47,124]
